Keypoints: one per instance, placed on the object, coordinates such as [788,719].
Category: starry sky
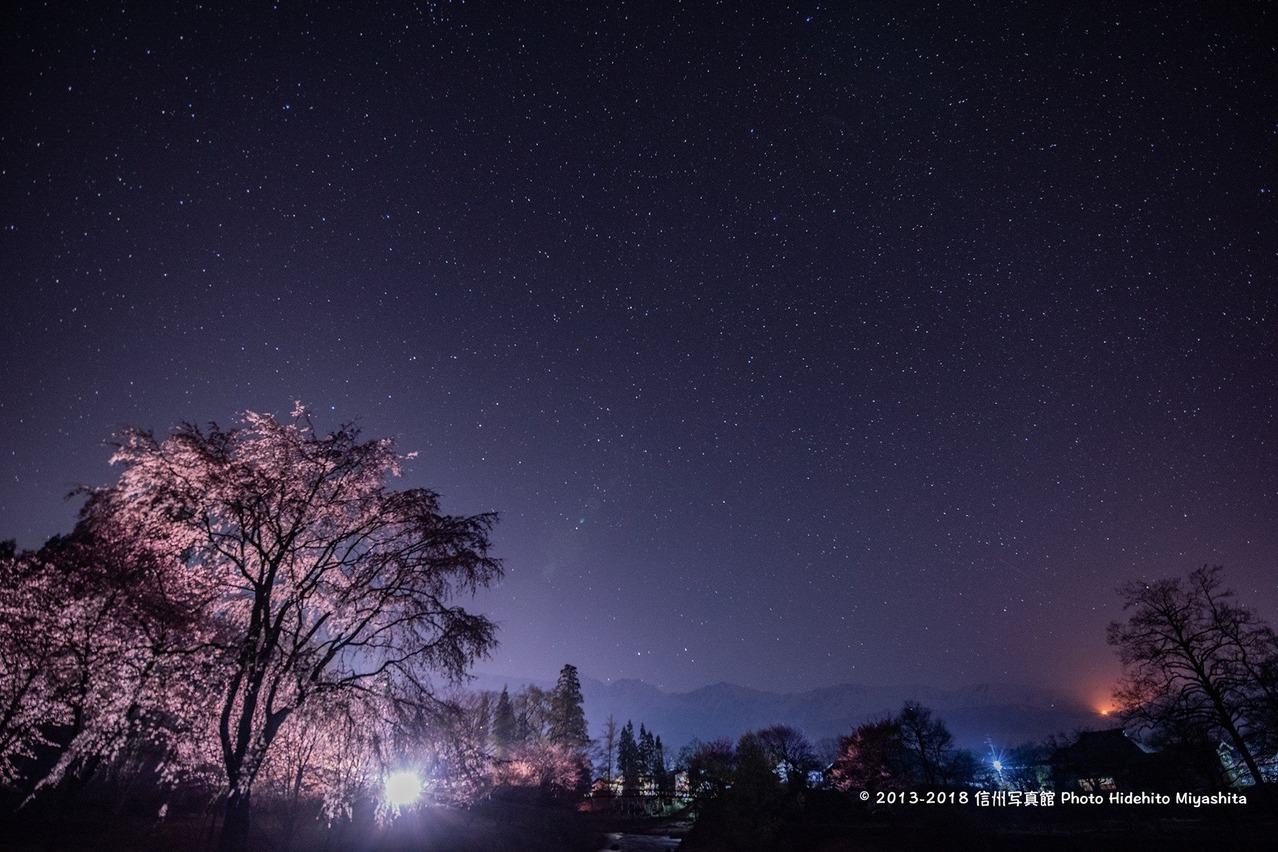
[795,343]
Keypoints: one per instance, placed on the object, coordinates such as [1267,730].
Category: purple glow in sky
[795,343]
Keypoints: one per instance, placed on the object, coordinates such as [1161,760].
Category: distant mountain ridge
[1006,714]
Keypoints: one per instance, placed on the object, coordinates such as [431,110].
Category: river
[619,842]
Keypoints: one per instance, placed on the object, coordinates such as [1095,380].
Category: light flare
[403,789]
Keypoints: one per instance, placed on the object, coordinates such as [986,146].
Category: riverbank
[643,834]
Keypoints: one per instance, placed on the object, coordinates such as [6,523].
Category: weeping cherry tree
[317,581]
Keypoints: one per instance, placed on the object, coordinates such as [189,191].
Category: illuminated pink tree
[95,647]
[32,690]
[319,580]
[871,758]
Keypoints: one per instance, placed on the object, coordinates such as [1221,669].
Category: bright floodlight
[403,788]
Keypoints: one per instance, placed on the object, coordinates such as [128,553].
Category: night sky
[795,344]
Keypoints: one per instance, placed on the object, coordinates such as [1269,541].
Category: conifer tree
[628,760]
[645,751]
[504,724]
[567,716]
[659,776]
[609,744]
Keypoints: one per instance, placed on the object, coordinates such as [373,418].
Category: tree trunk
[235,828]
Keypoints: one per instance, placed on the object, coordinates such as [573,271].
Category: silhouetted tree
[609,744]
[1265,706]
[1195,664]
[628,766]
[927,743]
[567,714]
[1027,766]
[644,752]
[710,767]
[532,715]
[753,805]
[742,800]
[504,725]
[790,753]
[660,774]
[911,749]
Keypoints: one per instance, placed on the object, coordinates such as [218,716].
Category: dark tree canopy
[871,758]
[911,749]
[928,744]
[745,796]
[790,753]
[1196,665]
[710,767]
